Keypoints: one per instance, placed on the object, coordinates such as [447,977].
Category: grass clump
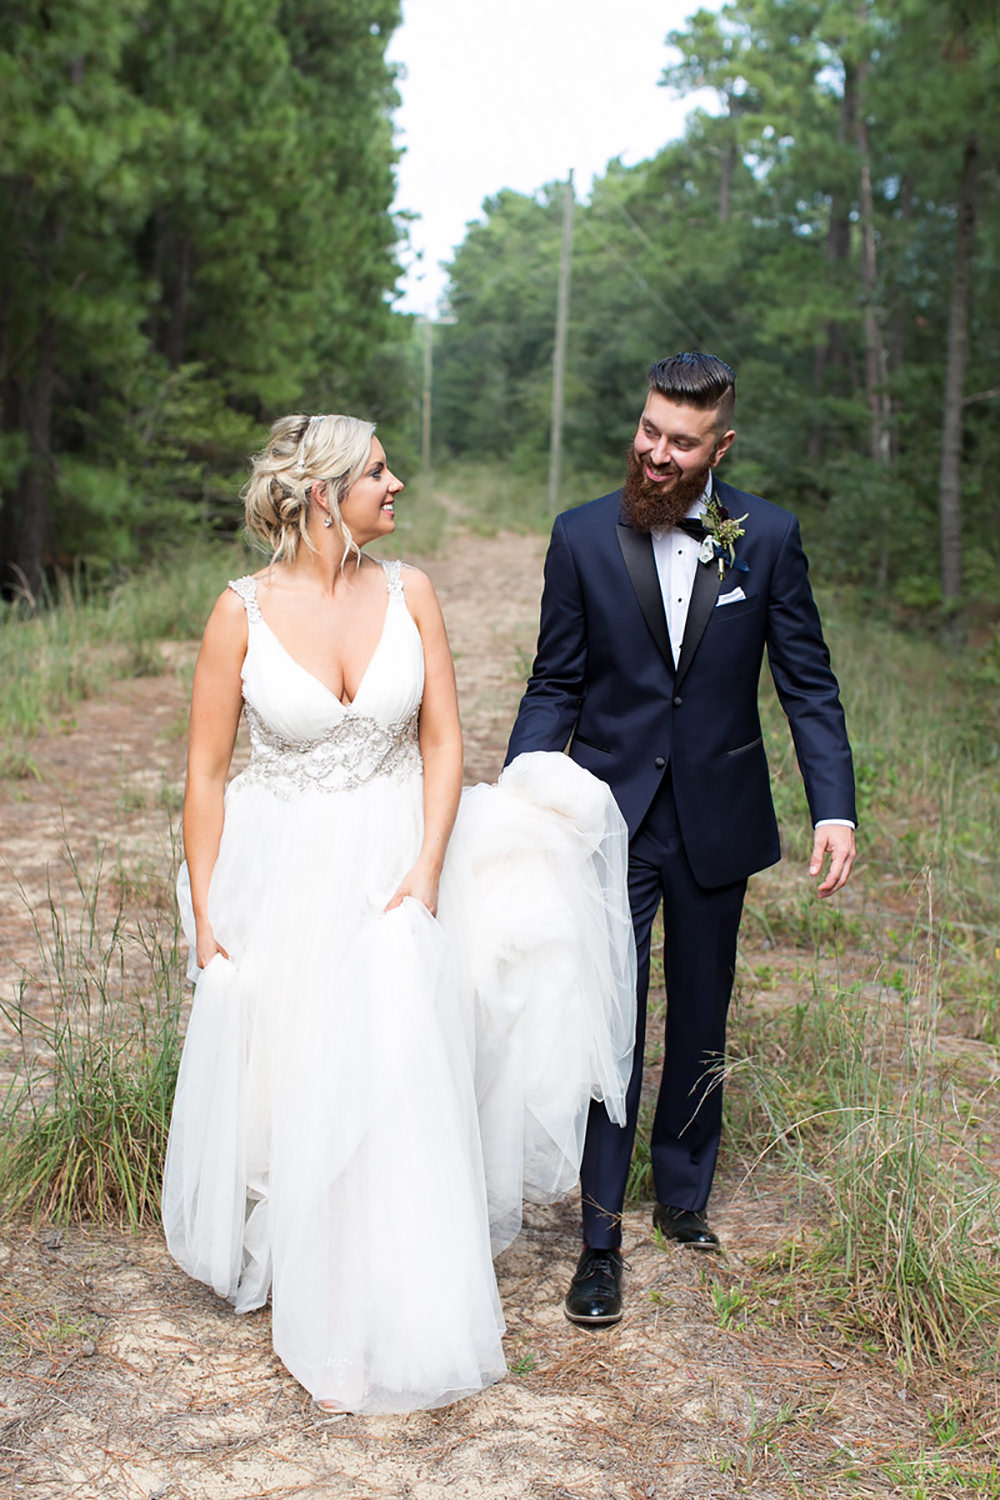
[884,1140]
[68,646]
[925,731]
[872,1083]
[83,1126]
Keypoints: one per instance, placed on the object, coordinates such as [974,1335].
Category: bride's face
[367,509]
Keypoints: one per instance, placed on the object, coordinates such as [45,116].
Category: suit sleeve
[808,690]
[551,703]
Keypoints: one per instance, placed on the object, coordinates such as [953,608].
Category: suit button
[678,702]
[659,762]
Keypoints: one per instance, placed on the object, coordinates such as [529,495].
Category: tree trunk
[876,359]
[176,296]
[950,482]
[8,424]
[26,565]
[729,159]
[829,354]
[901,313]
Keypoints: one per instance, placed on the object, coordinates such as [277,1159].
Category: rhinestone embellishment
[352,753]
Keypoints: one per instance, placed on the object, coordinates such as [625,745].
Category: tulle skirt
[365,1097]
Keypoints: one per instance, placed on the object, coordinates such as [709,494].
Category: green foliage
[85,1122]
[729,1305]
[744,239]
[640,1187]
[87,634]
[491,500]
[859,1086]
[492,368]
[197,237]
[857,1102]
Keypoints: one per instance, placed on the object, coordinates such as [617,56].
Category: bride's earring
[314,492]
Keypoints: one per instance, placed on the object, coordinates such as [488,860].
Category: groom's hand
[838,842]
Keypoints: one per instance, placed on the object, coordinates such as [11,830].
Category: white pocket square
[733,598]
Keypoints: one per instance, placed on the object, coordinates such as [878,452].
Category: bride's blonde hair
[302,451]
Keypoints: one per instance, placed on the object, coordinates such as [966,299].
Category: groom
[659,602]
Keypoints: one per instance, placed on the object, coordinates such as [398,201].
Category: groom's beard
[652,507]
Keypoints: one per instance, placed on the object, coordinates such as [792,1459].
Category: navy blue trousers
[699,950]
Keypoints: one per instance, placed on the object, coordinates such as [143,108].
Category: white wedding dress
[364,1097]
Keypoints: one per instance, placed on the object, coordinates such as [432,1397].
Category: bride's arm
[440,744]
[215,714]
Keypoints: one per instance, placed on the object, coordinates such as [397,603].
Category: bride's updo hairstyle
[302,451]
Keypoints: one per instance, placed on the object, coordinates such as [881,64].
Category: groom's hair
[699,380]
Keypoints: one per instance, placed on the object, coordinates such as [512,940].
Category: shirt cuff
[835,823]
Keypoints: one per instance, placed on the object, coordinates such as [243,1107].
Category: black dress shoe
[685,1225]
[595,1293]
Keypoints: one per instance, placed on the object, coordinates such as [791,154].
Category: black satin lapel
[637,551]
[703,597]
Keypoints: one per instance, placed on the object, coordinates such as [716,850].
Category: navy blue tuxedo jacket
[604,681]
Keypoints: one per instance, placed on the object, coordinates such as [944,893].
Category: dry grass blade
[855,1098]
[85,1120]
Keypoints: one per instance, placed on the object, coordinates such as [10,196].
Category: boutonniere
[722,534]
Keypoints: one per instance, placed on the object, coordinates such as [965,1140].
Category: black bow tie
[692,527]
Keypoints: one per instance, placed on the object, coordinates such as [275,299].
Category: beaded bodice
[302,737]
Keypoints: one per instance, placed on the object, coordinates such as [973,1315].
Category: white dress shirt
[676,557]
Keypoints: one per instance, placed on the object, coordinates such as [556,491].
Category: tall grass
[83,1126]
[884,1143]
[490,498]
[863,1071]
[925,729]
[69,645]
[79,638]
[873,1085]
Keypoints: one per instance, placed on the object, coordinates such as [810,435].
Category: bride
[405,995]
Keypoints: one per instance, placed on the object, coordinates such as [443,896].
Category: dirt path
[123,1378]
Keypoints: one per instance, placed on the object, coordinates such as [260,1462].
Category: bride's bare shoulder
[225,633]
[416,579]
[419,590]
[422,601]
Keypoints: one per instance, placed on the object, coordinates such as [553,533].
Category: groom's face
[675,444]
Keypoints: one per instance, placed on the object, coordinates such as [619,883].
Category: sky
[514,94]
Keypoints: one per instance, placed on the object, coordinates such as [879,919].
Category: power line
[644,239]
[640,281]
[559,352]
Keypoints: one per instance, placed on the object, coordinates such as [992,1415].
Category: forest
[830,228]
[196,235]
[196,199]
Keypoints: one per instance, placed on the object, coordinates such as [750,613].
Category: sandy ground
[122,1378]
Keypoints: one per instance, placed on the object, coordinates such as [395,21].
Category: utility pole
[425,452]
[559,353]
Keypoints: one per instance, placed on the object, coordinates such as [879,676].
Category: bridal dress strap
[246,587]
[394,577]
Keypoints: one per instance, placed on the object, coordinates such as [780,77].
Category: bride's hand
[419,884]
[206,947]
